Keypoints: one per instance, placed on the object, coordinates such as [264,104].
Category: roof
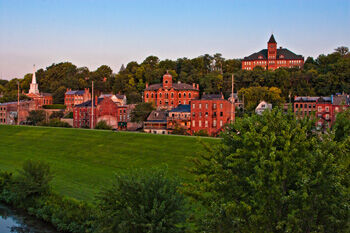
[272,39]
[157,116]
[287,55]
[15,102]
[212,97]
[324,99]
[306,99]
[341,100]
[77,92]
[46,94]
[176,86]
[88,103]
[182,108]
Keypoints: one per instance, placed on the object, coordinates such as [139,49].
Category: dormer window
[281,56]
[260,57]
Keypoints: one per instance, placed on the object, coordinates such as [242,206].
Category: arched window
[189,95]
[172,95]
[160,95]
[184,95]
[160,102]
[179,95]
[147,95]
[166,95]
[152,95]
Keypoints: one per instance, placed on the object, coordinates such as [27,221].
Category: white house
[262,106]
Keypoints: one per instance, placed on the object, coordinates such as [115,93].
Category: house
[75,97]
[117,98]
[262,106]
[273,58]
[9,111]
[156,122]
[168,95]
[304,106]
[179,117]
[210,114]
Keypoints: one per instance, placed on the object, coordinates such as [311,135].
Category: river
[15,221]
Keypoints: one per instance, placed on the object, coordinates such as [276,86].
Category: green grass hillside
[84,161]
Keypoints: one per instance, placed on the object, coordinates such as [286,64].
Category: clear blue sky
[96,32]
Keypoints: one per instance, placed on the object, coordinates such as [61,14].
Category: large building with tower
[273,58]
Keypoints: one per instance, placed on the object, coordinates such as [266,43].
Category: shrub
[56,123]
[58,114]
[202,133]
[36,116]
[103,125]
[54,106]
[142,201]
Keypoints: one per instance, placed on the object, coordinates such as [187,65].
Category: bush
[56,115]
[202,133]
[36,116]
[103,125]
[54,106]
[142,201]
[56,123]
[69,115]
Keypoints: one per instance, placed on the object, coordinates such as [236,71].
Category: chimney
[194,85]
[197,86]
[146,85]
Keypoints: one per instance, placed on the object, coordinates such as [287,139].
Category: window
[206,114]
[193,114]
[296,105]
[214,123]
[193,106]
[184,95]
[200,105]
[200,114]
[160,95]
[214,106]
[327,116]
[160,102]
[179,101]
[172,102]
[189,95]
[200,123]
[327,109]
[221,106]
[221,113]
[206,123]
[179,95]
[206,106]
[193,123]
[319,109]
[220,123]
[172,95]
[166,81]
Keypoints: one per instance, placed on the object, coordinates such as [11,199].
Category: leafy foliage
[273,173]
[142,201]
[55,106]
[56,123]
[57,115]
[342,126]
[103,125]
[141,112]
[36,116]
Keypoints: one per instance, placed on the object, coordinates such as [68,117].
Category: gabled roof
[182,108]
[77,92]
[157,116]
[286,53]
[212,97]
[176,86]
[88,103]
[272,39]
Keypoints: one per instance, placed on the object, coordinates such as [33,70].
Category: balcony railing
[183,118]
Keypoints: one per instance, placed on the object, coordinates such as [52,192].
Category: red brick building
[105,110]
[273,58]
[168,95]
[210,114]
[304,106]
[8,111]
[72,98]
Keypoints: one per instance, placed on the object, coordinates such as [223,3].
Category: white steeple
[34,86]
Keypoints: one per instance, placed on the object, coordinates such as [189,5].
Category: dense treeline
[328,74]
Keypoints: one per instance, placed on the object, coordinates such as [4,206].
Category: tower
[272,52]
[34,86]
[167,81]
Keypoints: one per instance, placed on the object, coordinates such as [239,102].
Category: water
[14,221]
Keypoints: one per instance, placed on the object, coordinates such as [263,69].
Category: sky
[92,33]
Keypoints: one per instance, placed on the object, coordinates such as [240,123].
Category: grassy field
[84,161]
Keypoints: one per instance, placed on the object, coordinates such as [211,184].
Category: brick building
[72,98]
[304,106]
[273,58]
[105,110]
[117,98]
[210,114]
[168,95]
[179,117]
[8,111]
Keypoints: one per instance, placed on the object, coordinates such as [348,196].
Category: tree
[103,125]
[58,115]
[142,201]
[141,112]
[342,126]
[342,50]
[272,173]
[36,116]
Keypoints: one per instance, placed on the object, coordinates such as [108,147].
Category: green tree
[103,125]
[36,116]
[55,115]
[141,112]
[273,173]
[142,201]
[341,126]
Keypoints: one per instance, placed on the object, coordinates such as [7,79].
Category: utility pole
[92,104]
[17,102]
[233,100]
[243,104]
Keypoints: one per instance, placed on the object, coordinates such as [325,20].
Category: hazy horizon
[94,33]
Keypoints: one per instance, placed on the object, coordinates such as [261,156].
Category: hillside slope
[84,161]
